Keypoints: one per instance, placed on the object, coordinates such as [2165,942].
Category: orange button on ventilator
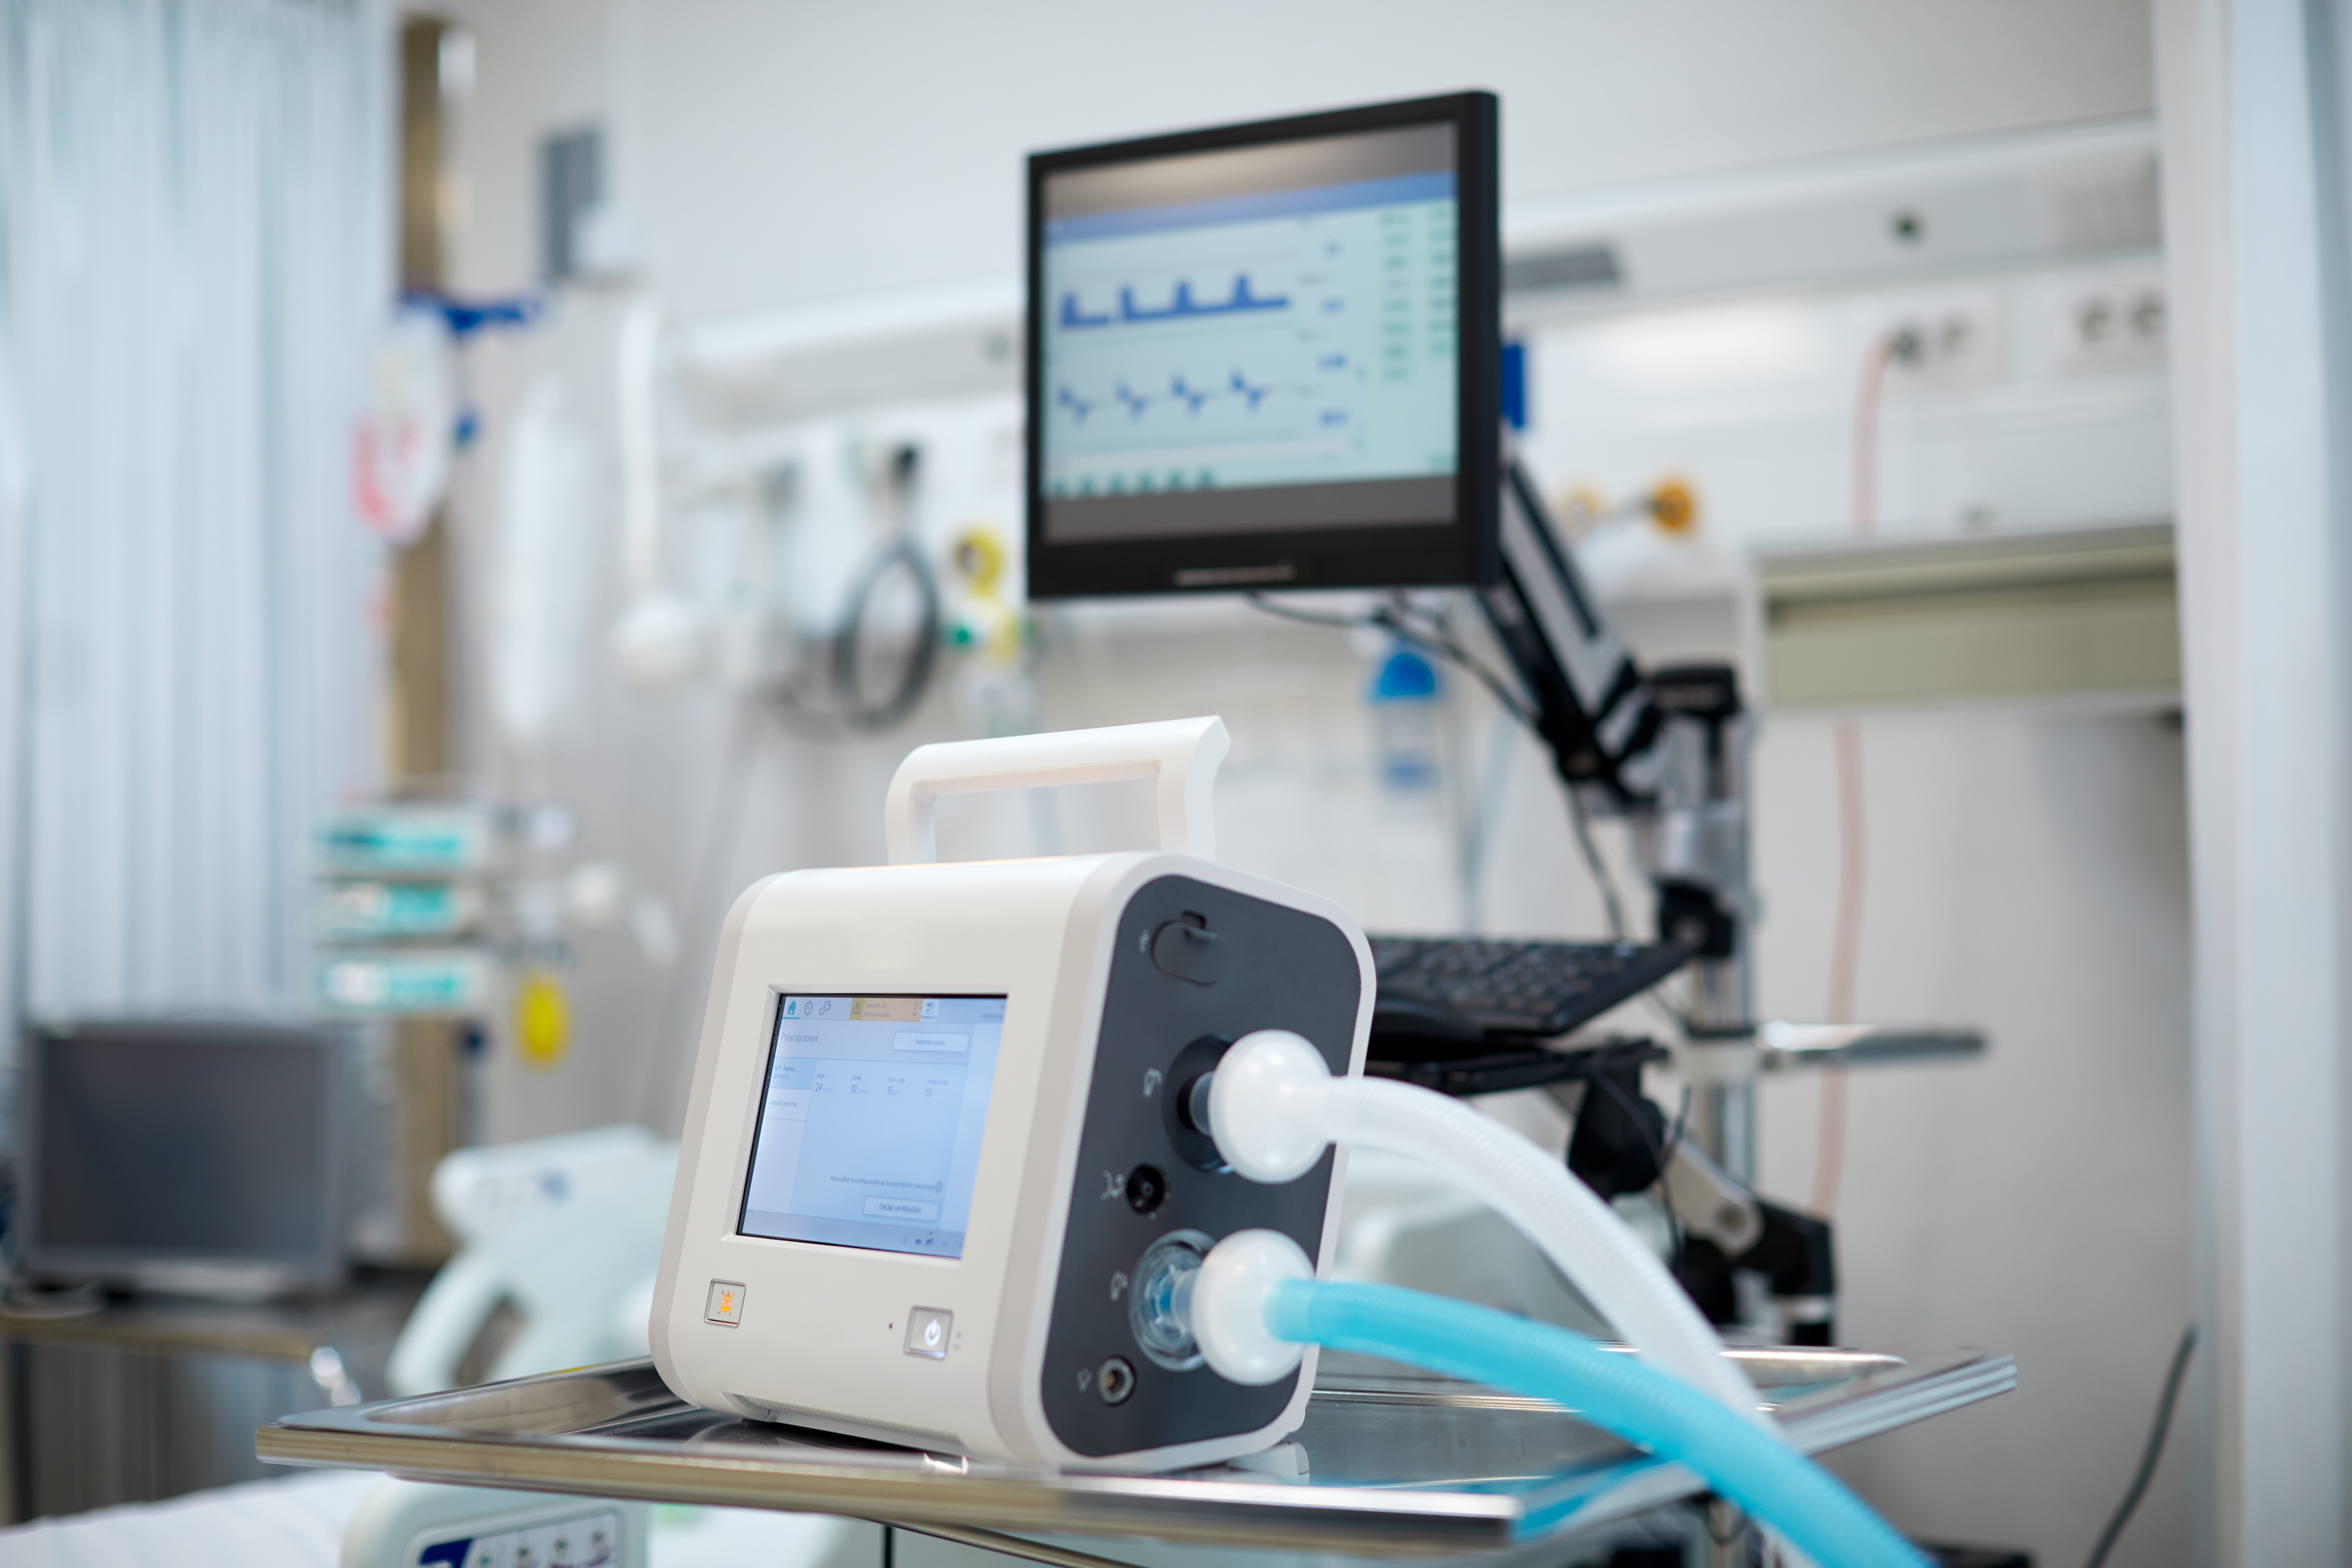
[726,1302]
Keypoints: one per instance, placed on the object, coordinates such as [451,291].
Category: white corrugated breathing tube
[1272,1107]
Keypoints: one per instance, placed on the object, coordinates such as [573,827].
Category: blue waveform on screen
[1179,389]
[1180,306]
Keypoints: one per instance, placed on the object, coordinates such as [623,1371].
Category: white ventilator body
[989,1306]
[1273,1107]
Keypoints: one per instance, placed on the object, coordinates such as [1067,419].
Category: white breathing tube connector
[1274,1106]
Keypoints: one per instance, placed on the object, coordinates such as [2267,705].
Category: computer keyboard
[1522,987]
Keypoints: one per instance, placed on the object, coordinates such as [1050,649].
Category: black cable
[703,914]
[1610,905]
[1439,639]
[1429,637]
[1660,999]
[1682,1125]
[847,710]
[1436,633]
[1344,623]
[1442,641]
[1633,1106]
[1667,1194]
[2153,1452]
[856,711]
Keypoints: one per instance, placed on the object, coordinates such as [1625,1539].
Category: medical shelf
[2075,614]
[1389,1463]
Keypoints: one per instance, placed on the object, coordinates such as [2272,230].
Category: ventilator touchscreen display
[869,1132]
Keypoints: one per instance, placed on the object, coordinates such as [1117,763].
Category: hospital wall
[2026,866]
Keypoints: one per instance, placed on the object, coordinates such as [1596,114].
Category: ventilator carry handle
[1183,753]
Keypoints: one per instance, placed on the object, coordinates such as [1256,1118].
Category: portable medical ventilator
[945,1153]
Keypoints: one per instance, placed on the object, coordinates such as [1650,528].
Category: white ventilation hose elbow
[1273,1107]
[1228,1300]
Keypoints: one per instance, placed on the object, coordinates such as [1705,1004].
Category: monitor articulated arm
[1667,750]
[1593,705]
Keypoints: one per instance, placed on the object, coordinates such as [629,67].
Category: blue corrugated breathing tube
[1770,1480]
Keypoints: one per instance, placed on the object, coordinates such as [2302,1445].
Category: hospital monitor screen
[870,1124]
[200,1154]
[1266,356]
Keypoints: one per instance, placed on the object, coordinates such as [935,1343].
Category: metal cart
[1389,1463]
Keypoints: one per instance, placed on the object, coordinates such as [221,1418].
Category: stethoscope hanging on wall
[861,667]
[879,659]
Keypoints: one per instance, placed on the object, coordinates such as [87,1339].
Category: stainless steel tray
[1395,1464]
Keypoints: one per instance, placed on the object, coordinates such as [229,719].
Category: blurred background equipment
[408,1524]
[193,1156]
[557,1240]
[177,1252]
[2110,414]
[402,448]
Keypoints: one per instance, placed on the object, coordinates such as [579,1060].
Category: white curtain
[196,203]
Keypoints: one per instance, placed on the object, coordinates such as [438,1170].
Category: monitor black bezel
[1460,550]
[317,1265]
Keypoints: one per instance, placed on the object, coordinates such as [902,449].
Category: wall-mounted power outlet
[1962,340]
[2116,324]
